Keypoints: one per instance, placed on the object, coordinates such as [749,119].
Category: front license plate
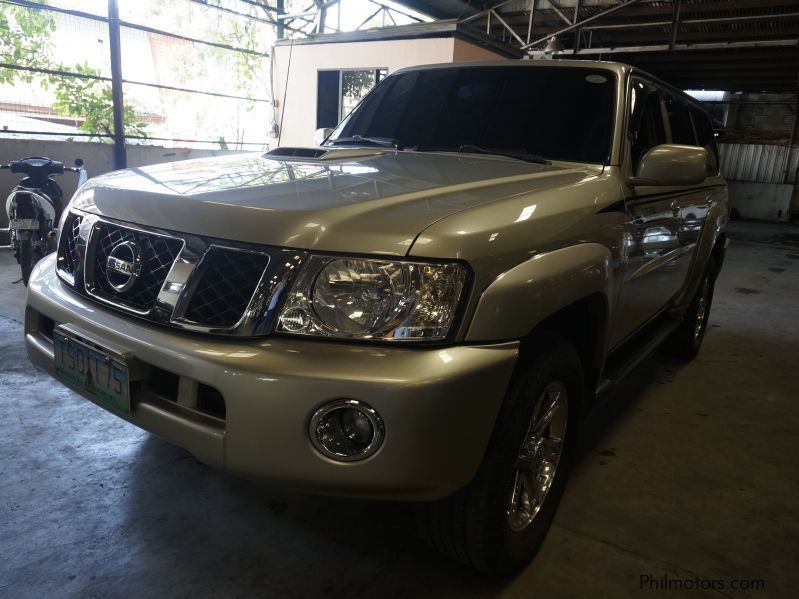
[92,370]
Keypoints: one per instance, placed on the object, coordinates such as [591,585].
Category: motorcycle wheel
[26,259]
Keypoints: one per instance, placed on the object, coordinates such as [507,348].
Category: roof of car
[618,67]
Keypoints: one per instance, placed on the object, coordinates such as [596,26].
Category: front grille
[186,281]
[228,279]
[68,256]
[157,255]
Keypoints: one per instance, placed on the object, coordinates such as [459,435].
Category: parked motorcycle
[34,208]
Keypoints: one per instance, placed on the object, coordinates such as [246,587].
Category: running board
[636,356]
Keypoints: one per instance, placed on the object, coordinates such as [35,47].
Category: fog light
[346,430]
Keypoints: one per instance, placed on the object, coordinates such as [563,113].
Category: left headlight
[382,300]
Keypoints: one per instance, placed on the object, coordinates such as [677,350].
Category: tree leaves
[25,41]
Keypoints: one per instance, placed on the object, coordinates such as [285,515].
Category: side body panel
[534,253]
[657,255]
[714,225]
[662,255]
[528,293]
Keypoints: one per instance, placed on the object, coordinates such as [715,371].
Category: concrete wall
[755,115]
[761,201]
[297,82]
[759,156]
[98,158]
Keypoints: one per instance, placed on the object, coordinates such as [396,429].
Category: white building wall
[297,114]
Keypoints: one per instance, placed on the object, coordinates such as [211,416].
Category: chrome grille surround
[68,253]
[178,288]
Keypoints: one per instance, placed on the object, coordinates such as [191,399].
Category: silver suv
[422,308]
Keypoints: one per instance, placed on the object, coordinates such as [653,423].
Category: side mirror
[672,164]
[320,135]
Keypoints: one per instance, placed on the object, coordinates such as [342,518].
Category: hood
[366,201]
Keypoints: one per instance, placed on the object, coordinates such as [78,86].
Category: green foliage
[24,41]
[248,74]
[91,99]
[242,34]
[355,84]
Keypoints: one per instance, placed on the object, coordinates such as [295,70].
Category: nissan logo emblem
[123,266]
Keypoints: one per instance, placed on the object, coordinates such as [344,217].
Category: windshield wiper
[383,142]
[535,158]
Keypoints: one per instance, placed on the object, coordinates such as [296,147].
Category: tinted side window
[704,131]
[682,131]
[646,122]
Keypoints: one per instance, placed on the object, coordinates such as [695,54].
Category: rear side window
[704,131]
[682,130]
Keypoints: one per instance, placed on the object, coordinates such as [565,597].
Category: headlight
[388,300]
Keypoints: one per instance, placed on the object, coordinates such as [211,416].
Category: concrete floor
[691,471]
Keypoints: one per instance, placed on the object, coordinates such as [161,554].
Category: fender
[715,224]
[522,297]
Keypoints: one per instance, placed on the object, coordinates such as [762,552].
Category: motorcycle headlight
[385,300]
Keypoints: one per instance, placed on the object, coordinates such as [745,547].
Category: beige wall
[98,158]
[298,115]
[466,51]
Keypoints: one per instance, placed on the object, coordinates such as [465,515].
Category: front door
[656,256]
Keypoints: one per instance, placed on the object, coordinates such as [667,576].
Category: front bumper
[438,404]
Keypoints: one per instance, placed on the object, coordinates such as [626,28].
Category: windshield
[555,112]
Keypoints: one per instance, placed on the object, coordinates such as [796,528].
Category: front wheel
[497,523]
[26,259]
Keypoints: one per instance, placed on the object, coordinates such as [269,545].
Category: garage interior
[687,471]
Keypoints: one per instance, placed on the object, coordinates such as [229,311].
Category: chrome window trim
[184,275]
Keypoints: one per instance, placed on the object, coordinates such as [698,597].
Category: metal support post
[120,156]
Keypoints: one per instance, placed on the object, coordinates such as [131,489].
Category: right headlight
[373,299]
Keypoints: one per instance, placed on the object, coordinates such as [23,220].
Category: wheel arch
[526,295]
[712,243]
[584,324]
[566,292]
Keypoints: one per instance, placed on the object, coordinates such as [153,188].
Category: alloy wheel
[538,457]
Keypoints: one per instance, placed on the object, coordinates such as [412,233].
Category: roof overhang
[435,29]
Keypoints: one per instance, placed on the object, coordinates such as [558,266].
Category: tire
[686,341]
[26,259]
[481,525]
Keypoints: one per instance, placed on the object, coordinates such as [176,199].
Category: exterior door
[656,255]
[689,126]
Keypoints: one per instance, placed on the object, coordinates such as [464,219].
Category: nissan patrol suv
[422,308]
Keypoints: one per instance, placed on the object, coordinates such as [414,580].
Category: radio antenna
[285,91]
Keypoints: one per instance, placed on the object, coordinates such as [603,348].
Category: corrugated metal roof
[735,45]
